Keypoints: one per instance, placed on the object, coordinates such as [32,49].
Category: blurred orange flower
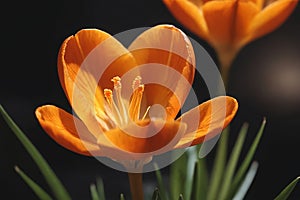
[228,25]
[105,125]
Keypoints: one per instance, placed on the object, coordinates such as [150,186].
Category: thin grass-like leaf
[40,193]
[238,178]
[200,181]
[180,197]
[218,166]
[191,162]
[100,188]
[195,195]
[245,185]
[285,193]
[178,171]
[122,197]
[156,195]
[54,183]
[232,162]
[94,192]
[161,185]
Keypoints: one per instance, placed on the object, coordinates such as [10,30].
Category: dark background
[265,78]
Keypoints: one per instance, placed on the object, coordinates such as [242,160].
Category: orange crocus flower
[228,25]
[111,126]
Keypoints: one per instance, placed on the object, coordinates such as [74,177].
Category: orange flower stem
[225,61]
[225,75]
[136,186]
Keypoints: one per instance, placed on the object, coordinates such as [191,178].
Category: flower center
[119,111]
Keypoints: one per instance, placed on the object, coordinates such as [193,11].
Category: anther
[136,82]
[108,95]
[117,82]
[116,116]
[140,88]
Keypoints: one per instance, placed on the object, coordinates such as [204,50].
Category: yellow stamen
[136,82]
[136,100]
[108,96]
[116,116]
[103,122]
[117,82]
[121,106]
[147,111]
[117,111]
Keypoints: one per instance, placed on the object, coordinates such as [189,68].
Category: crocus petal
[148,138]
[81,63]
[246,11]
[190,15]
[171,69]
[67,130]
[219,16]
[214,115]
[72,53]
[271,17]
[228,21]
[99,55]
[259,3]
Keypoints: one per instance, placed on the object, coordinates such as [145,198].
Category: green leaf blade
[245,185]
[94,192]
[180,197]
[218,167]
[285,193]
[100,188]
[200,184]
[54,183]
[190,171]
[122,197]
[232,162]
[246,162]
[178,171]
[161,185]
[156,195]
[42,194]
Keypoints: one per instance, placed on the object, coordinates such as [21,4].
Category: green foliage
[183,178]
[54,183]
[180,197]
[232,162]
[94,193]
[100,188]
[35,187]
[200,181]
[122,197]
[240,174]
[156,195]
[247,181]
[97,190]
[161,185]
[189,178]
[285,193]
[226,181]
[177,176]
[218,167]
